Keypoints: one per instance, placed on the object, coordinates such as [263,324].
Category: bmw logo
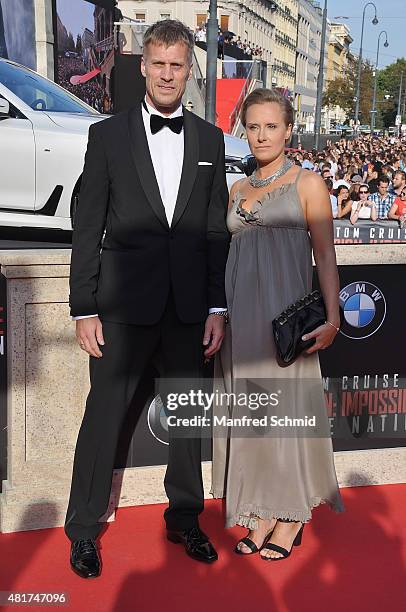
[364,309]
[157,420]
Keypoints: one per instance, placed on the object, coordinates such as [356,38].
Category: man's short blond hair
[168,32]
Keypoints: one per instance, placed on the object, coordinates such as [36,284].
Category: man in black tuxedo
[154,182]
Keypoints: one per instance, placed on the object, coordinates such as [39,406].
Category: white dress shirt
[166,149]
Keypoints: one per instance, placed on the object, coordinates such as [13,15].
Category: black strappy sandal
[285,553]
[251,544]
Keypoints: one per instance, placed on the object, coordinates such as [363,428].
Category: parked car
[43,139]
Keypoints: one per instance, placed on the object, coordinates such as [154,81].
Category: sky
[392,18]
[75,15]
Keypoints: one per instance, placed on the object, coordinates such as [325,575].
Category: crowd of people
[91,92]
[366,177]
[249,48]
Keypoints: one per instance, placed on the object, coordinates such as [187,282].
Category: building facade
[338,56]
[284,44]
[338,50]
[310,19]
[250,20]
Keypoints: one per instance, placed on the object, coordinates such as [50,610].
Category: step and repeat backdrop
[364,370]
[364,374]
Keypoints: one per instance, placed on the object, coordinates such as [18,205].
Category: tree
[388,82]
[341,91]
[71,42]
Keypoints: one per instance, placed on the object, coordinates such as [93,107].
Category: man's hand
[213,334]
[89,334]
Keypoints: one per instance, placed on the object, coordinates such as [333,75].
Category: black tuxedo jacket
[125,277]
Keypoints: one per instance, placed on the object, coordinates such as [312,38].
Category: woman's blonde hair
[262,96]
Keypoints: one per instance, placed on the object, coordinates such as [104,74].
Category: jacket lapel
[143,163]
[189,168]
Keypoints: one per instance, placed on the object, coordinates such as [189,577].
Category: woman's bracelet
[337,328]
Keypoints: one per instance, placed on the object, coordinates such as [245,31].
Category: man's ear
[190,71]
[143,66]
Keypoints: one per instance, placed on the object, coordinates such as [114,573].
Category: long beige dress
[269,267]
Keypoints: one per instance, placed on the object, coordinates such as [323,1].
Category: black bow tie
[158,122]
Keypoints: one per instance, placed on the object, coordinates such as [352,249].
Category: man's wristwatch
[222,313]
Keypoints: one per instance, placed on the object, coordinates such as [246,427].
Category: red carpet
[227,93]
[348,562]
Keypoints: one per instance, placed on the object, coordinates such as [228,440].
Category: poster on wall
[17,32]
[85,51]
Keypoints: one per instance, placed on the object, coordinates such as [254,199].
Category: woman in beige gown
[272,483]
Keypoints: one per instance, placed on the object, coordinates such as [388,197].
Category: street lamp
[357,95]
[373,111]
[211,63]
[399,102]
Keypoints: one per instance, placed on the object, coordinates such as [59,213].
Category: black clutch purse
[301,317]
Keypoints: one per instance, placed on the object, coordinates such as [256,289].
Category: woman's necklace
[256,182]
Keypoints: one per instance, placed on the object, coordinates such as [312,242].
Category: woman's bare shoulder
[238,185]
[310,179]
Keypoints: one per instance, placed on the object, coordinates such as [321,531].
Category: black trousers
[127,351]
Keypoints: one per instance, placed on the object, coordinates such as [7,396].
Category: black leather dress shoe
[196,543]
[84,558]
